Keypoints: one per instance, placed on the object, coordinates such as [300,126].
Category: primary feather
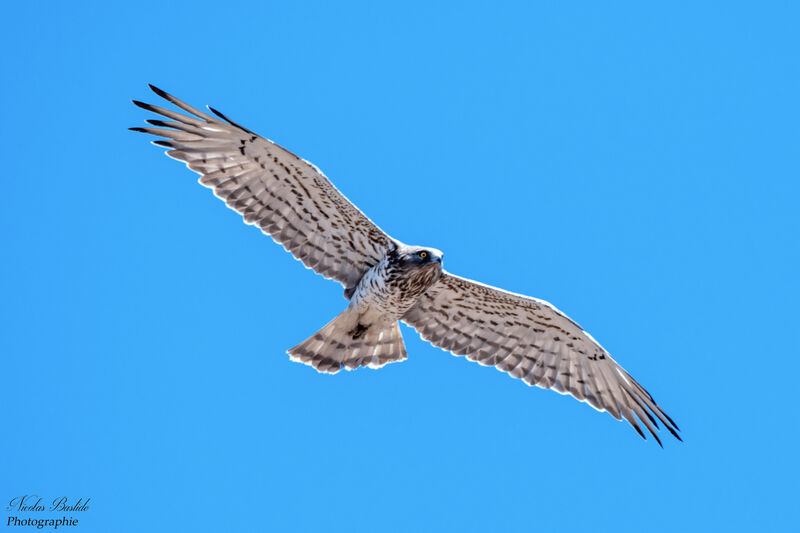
[533,341]
[284,195]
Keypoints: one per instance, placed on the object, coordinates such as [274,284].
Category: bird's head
[413,269]
[420,256]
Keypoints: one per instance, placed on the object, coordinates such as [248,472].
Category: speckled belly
[384,293]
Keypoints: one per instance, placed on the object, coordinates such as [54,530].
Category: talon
[358,331]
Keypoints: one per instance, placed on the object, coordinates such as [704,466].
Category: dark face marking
[416,257]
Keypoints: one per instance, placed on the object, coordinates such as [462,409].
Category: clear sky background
[637,166]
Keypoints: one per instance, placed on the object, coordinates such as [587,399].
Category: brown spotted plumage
[387,281]
[287,197]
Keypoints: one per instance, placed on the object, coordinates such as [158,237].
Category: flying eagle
[386,281]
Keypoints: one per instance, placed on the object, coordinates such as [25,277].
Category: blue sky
[634,165]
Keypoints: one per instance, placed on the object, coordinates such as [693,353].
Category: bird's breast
[392,291]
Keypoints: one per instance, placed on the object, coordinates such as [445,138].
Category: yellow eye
[423,255]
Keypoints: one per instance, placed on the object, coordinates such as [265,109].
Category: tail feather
[343,342]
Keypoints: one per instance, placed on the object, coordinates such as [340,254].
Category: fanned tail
[344,342]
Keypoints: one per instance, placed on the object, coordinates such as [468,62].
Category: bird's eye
[423,255]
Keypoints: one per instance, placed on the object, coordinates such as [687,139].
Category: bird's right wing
[531,340]
[287,197]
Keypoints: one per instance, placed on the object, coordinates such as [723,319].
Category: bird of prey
[387,281]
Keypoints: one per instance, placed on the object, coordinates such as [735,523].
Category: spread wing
[287,197]
[531,340]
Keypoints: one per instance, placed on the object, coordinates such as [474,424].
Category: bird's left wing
[287,197]
[531,340]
